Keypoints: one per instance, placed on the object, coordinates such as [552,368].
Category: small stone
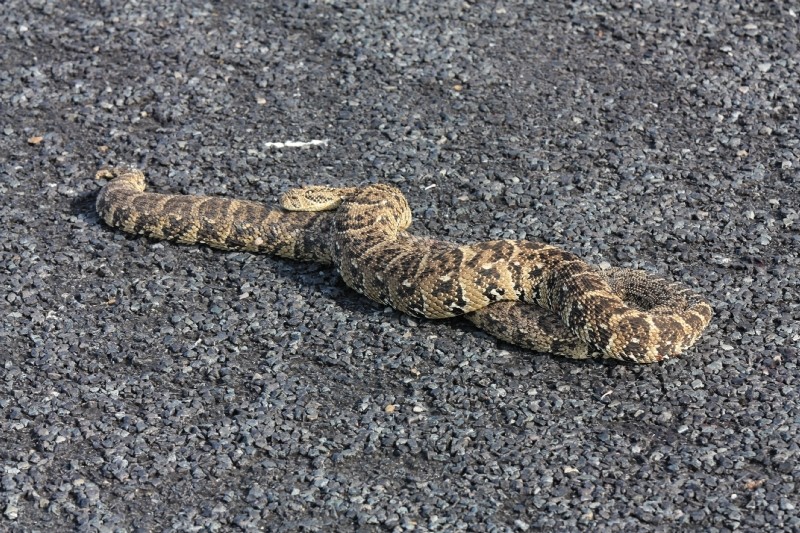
[12,510]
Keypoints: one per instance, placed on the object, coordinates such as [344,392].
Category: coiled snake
[530,294]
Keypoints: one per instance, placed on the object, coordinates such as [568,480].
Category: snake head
[315,198]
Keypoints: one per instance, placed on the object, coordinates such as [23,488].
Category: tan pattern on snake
[530,294]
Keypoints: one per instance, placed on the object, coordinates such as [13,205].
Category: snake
[531,294]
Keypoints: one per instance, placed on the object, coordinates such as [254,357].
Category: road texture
[148,386]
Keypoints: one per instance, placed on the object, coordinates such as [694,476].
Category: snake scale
[531,294]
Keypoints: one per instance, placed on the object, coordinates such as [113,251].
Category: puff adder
[531,294]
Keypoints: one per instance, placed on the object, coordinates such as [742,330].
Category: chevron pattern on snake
[531,294]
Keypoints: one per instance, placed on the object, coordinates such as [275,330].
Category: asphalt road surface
[149,386]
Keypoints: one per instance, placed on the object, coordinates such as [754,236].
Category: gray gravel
[149,386]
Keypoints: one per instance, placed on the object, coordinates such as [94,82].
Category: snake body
[531,294]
